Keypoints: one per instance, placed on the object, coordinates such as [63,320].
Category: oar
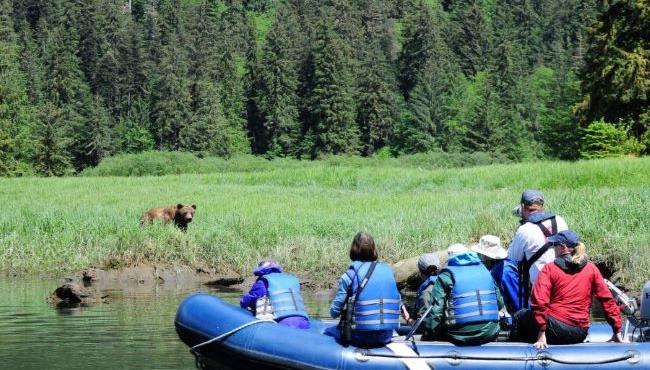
[418,323]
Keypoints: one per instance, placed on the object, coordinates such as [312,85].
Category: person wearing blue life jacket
[367,300]
[276,295]
[465,303]
[428,266]
[503,270]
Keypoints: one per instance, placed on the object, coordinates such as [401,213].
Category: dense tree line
[520,79]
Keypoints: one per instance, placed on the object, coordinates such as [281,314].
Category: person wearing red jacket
[562,297]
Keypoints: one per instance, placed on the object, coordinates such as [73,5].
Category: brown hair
[578,252]
[363,248]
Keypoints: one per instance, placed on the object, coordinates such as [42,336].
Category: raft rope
[540,357]
[228,333]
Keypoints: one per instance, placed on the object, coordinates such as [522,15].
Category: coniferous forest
[517,79]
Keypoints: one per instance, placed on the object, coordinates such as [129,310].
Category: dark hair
[363,248]
[431,270]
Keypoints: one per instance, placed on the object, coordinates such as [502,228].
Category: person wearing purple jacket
[276,295]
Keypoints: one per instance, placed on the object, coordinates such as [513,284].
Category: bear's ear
[194,206]
[179,206]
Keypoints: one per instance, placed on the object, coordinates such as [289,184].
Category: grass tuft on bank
[306,213]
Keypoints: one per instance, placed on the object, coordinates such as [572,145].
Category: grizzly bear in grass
[180,214]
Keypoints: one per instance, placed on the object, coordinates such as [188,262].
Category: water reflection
[134,330]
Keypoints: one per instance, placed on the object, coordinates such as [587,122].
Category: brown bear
[180,214]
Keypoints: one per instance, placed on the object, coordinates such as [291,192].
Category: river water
[134,330]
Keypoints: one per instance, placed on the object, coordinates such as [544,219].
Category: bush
[159,163]
[602,139]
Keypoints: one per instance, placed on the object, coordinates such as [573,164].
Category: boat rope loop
[228,333]
[542,356]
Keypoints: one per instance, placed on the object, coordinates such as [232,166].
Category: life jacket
[429,281]
[526,263]
[378,304]
[473,297]
[282,298]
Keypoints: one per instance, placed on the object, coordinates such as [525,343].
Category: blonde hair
[578,253]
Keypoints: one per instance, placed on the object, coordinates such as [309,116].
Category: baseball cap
[531,196]
[426,260]
[566,237]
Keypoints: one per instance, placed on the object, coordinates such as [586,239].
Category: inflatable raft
[223,336]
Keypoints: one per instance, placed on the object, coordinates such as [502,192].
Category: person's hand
[618,338]
[405,314]
[541,341]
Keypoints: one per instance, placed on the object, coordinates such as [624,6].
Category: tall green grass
[306,213]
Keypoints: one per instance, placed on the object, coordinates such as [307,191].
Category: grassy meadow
[306,213]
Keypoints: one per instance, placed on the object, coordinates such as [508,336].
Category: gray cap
[426,260]
[531,196]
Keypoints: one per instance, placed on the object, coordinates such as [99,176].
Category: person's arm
[341,293]
[539,303]
[249,300]
[610,309]
[499,296]
[510,286]
[424,301]
[438,300]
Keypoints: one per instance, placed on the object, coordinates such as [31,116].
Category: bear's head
[185,213]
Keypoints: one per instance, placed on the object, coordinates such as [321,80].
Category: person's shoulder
[561,223]
[591,267]
[549,268]
[525,232]
[444,277]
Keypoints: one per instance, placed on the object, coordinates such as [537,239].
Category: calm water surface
[135,330]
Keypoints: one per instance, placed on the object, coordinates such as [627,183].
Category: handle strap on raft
[541,356]
[228,333]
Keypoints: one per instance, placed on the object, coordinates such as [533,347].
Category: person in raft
[367,299]
[465,303]
[428,266]
[562,297]
[503,270]
[529,247]
[276,295]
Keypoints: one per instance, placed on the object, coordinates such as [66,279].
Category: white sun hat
[455,249]
[490,246]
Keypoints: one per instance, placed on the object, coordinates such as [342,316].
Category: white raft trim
[401,349]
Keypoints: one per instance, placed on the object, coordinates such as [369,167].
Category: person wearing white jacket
[529,246]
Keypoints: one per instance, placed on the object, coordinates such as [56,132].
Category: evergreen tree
[171,98]
[93,137]
[279,82]
[616,75]
[51,157]
[230,69]
[331,103]
[432,80]
[423,42]
[470,35]
[133,131]
[31,65]
[207,130]
[509,136]
[416,50]
[377,112]
[15,115]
